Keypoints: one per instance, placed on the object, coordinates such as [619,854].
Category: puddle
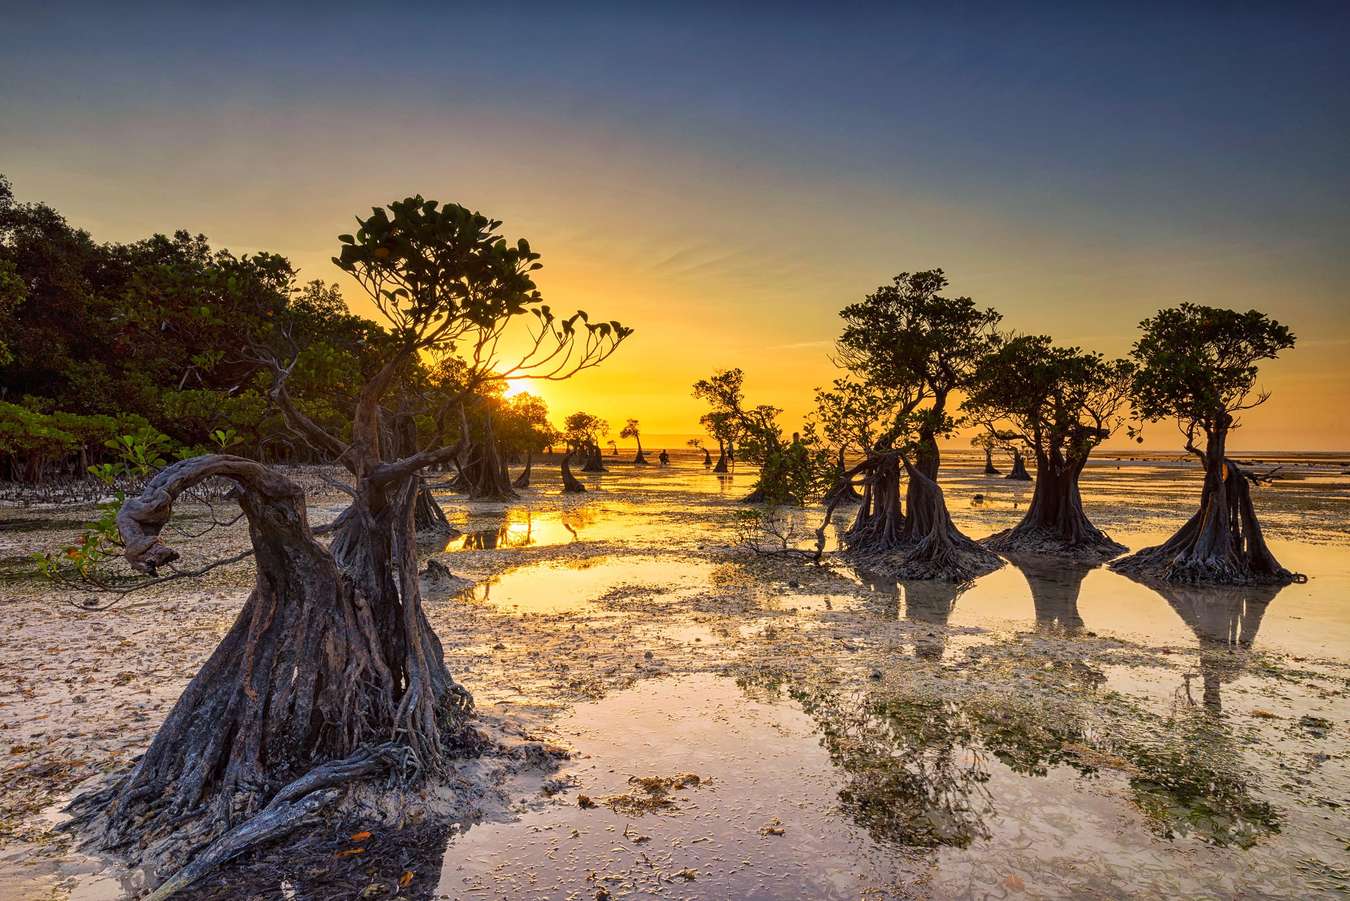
[761,769]
[840,793]
[586,585]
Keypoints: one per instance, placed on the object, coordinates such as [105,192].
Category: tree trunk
[707,457]
[489,479]
[523,480]
[571,485]
[721,456]
[641,458]
[594,461]
[328,657]
[1222,543]
[1019,468]
[427,514]
[933,547]
[1055,522]
[989,469]
[880,523]
[843,491]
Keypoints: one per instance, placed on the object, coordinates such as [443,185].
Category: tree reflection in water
[523,528]
[918,750]
[928,602]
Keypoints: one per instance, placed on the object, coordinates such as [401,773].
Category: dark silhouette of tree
[1018,473]
[1198,365]
[722,427]
[571,484]
[912,348]
[583,432]
[1060,403]
[697,444]
[332,671]
[787,470]
[986,442]
[630,430]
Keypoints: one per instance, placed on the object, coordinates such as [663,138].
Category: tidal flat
[682,717]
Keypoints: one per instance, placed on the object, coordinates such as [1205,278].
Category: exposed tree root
[428,515]
[1047,542]
[923,543]
[332,653]
[1055,523]
[844,491]
[523,480]
[595,462]
[1019,469]
[1222,544]
[288,809]
[571,484]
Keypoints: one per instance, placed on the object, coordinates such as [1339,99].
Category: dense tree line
[167,338]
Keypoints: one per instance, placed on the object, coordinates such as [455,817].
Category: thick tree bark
[1055,522]
[641,458]
[707,457]
[880,523]
[523,480]
[427,514]
[1222,543]
[594,461]
[843,491]
[489,479]
[328,657]
[989,469]
[921,543]
[1019,468]
[721,456]
[934,548]
[571,485]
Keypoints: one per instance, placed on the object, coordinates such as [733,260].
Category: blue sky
[726,180]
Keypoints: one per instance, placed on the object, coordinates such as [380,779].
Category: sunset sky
[726,181]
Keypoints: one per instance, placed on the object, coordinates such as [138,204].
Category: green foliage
[37,445]
[521,424]
[1061,402]
[789,471]
[138,455]
[164,329]
[909,347]
[1199,364]
[426,264]
[581,429]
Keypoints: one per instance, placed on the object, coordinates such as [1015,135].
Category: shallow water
[1049,729]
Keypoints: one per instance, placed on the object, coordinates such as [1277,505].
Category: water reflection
[516,528]
[1055,586]
[928,602]
[1225,621]
[911,776]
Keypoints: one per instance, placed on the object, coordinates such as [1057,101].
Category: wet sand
[1049,730]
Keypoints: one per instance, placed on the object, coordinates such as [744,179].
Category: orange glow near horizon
[718,260]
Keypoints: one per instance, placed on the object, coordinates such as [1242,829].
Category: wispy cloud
[800,345]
